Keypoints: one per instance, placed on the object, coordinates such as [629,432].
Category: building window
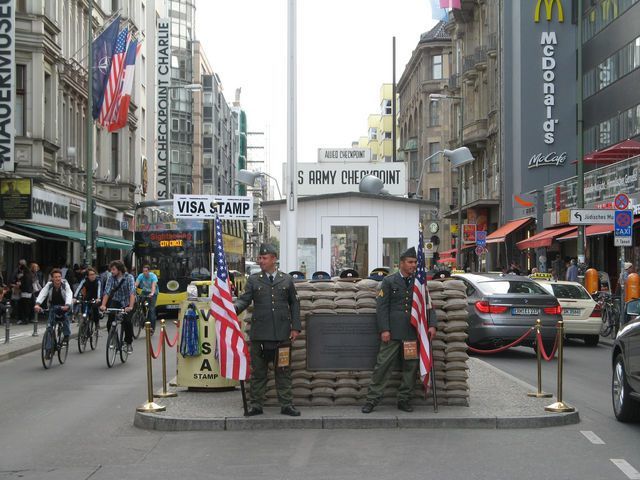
[386,107]
[434,161]
[207,128]
[21,95]
[436,67]
[434,195]
[391,250]
[434,113]
[387,135]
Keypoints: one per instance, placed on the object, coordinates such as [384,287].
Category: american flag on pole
[123,95]
[420,306]
[113,84]
[232,348]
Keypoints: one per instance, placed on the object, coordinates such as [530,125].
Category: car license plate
[525,311]
[571,311]
[173,307]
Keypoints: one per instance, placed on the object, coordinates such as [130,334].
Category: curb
[27,349]
[164,423]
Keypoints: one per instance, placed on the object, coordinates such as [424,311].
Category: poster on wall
[15,198]
[469,233]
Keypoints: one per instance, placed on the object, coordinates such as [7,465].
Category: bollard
[7,323]
[539,393]
[559,406]
[35,324]
[164,393]
[150,406]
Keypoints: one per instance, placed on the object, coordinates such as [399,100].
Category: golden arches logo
[548,7]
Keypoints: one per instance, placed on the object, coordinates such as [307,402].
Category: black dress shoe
[290,410]
[253,411]
[405,407]
[368,407]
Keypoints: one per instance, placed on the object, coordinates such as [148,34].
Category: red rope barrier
[506,347]
[169,343]
[548,358]
[155,355]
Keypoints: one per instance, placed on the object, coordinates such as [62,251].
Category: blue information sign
[623,223]
[481,238]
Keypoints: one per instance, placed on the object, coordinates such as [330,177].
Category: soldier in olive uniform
[394,325]
[276,321]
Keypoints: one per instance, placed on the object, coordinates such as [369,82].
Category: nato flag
[102,53]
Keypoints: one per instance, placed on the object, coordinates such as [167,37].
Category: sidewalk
[497,400]
[21,339]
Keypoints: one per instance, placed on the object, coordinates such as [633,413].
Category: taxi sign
[454,271]
[541,276]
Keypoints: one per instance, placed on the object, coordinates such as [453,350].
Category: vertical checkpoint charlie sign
[163,76]
[7,84]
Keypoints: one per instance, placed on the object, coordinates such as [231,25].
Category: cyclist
[90,290]
[120,292]
[57,293]
[147,281]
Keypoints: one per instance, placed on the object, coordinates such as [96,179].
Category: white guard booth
[351,230]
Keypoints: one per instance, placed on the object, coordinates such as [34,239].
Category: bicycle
[610,314]
[115,338]
[53,339]
[87,330]
[140,314]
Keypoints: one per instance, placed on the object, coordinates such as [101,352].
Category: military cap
[378,273]
[297,276]
[409,253]
[349,275]
[268,249]
[320,276]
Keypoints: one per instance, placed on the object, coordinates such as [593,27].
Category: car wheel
[591,340]
[625,408]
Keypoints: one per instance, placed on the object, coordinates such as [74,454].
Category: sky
[344,56]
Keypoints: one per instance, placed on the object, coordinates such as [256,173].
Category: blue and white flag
[102,48]
[437,12]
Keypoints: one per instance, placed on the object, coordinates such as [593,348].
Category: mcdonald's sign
[548,7]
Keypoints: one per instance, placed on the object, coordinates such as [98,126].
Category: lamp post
[247,177]
[437,97]
[89,237]
[291,254]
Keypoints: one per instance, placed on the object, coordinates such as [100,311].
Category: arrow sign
[591,217]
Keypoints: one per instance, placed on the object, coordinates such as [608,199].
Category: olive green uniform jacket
[276,306]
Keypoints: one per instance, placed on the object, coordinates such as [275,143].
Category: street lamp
[437,97]
[458,158]
[247,177]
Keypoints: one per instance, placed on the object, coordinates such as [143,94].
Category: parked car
[502,306]
[625,379]
[580,312]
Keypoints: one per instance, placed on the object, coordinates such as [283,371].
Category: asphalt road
[75,422]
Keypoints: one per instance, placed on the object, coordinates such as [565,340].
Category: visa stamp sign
[323,178]
[208,206]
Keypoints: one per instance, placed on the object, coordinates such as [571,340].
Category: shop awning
[447,253]
[500,234]
[115,243]
[544,238]
[592,231]
[13,237]
[614,153]
[60,232]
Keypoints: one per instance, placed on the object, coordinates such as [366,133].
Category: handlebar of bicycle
[115,310]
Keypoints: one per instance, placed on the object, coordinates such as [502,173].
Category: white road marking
[626,468]
[592,437]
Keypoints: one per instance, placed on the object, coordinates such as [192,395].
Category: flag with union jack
[233,354]
[113,83]
[420,310]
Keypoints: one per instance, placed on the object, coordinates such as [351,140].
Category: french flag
[126,89]
[450,4]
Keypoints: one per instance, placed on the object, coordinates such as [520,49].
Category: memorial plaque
[342,342]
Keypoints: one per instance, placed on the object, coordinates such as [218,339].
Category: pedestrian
[622,279]
[120,292]
[275,323]
[90,290]
[398,337]
[57,293]
[572,271]
[147,281]
[514,269]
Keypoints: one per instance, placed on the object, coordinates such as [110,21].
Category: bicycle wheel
[605,328]
[63,347]
[47,348]
[83,335]
[92,334]
[124,352]
[138,322]
[112,347]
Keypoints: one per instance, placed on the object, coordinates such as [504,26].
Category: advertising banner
[15,198]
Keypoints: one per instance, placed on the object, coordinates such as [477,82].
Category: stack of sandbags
[326,388]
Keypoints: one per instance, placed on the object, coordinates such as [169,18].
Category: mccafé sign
[548,8]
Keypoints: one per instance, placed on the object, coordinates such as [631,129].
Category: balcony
[480,57]
[118,195]
[492,48]
[475,134]
[468,67]
[454,82]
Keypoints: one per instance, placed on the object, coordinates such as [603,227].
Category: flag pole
[89,240]
[244,398]
[434,393]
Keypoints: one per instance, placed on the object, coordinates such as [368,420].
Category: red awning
[446,260]
[500,234]
[614,153]
[593,230]
[447,253]
[544,238]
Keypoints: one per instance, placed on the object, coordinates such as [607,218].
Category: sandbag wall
[326,388]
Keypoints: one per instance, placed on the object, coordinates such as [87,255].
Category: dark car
[625,381]
[502,306]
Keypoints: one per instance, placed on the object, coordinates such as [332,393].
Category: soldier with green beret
[398,337]
[275,322]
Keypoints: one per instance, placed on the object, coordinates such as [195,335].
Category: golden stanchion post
[539,393]
[150,406]
[560,406]
[164,393]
